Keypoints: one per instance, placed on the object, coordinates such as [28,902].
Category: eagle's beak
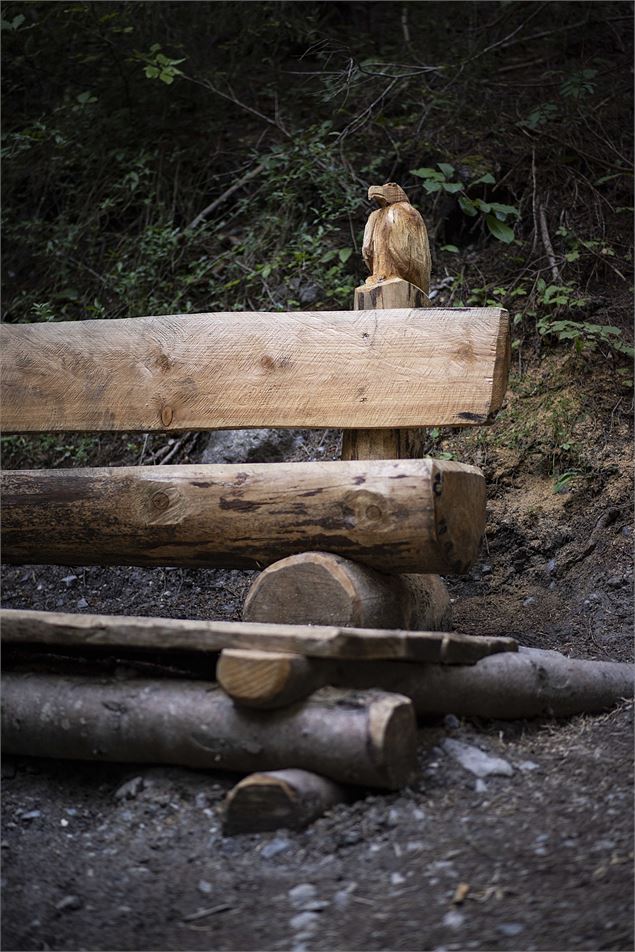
[376,192]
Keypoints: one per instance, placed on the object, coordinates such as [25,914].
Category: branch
[225,195]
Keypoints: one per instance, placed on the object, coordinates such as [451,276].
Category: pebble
[82,603]
[480,786]
[552,565]
[130,789]
[201,801]
[69,580]
[510,928]
[451,722]
[31,815]
[528,765]
[396,879]
[68,903]
[477,761]
[204,887]
[486,569]
[529,601]
[453,919]
[305,921]
[279,845]
[614,582]
[301,894]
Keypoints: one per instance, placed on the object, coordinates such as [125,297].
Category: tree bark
[367,738]
[280,798]
[319,588]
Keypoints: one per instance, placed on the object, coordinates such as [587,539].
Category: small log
[367,739]
[175,634]
[320,588]
[395,515]
[390,293]
[529,683]
[268,679]
[279,798]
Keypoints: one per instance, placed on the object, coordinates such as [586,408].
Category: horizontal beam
[397,515]
[175,634]
[412,367]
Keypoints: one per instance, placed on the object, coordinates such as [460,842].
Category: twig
[546,241]
[533,198]
[225,195]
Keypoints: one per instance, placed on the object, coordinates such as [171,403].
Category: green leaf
[499,230]
[504,210]
[467,206]
[452,187]
[481,205]
[487,179]
[432,186]
[151,72]
[167,78]
[427,173]
[448,170]
[452,248]
[345,254]
[572,255]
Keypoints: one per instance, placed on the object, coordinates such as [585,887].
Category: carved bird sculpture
[395,239]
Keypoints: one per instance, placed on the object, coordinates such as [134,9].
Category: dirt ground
[540,859]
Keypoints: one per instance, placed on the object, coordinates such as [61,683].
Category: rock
[249,446]
[130,789]
[486,569]
[396,879]
[310,294]
[31,815]
[451,722]
[529,601]
[201,801]
[271,849]
[69,580]
[453,919]
[510,928]
[615,581]
[342,897]
[480,786]
[301,895]
[477,761]
[305,921]
[552,566]
[68,904]
[204,887]
[528,765]
[82,604]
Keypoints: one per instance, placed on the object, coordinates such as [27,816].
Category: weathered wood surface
[176,634]
[397,516]
[391,293]
[395,239]
[319,588]
[279,798]
[268,679]
[529,683]
[441,367]
[367,738]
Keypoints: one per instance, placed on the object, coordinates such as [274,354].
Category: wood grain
[409,368]
[279,798]
[176,634]
[319,588]
[390,515]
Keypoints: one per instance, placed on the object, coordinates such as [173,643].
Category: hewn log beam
[319,588]
[441,367]
[20,626]
[367,738]
[397,516]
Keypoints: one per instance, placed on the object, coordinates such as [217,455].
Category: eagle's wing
[367,245]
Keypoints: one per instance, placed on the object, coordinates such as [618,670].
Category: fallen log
[25,626]
[398,516]
[280,798]
[320,588]
[366,738]
[529,683]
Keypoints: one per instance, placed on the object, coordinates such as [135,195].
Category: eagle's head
[387,194]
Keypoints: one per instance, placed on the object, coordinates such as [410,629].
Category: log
[268,679]
[279,798]
[390,293]
[438,367]
[529,683]
[21,626]
[396,516]
[324,589]
[367,739]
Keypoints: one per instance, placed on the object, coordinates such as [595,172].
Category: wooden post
[319,588]
[365,738]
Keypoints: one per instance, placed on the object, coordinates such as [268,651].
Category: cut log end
[266,679]
[281,798]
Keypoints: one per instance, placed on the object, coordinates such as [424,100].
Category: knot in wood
[166,415]
[160,501]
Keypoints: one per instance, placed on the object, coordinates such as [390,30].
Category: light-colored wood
[319,588]
[267,679]
[395,239]
[391,293]
[392,515]
[176,634]
[529,683]
[366,738]
[437,367]
[279,798]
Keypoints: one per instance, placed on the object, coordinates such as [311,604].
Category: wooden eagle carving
[395,239]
